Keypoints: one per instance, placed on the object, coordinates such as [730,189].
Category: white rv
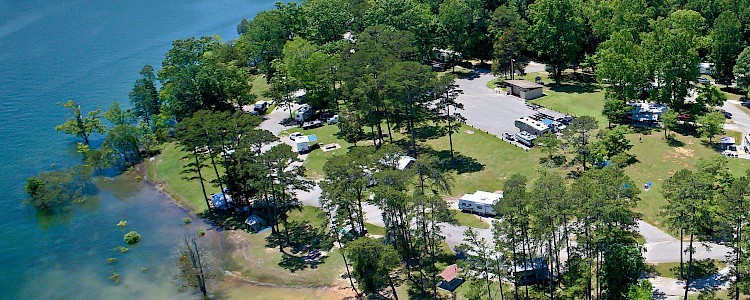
[531,126]
[480,202]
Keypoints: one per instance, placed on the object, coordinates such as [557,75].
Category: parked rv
[480,202]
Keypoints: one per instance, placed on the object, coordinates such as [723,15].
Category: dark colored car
[727,114]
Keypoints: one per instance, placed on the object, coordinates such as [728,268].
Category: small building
[450,281]
[530,272]
[305,143]
[480,202]
[255,223]
[532,126]
[647,114]
[524,89]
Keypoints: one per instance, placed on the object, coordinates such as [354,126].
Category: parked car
[333,120]
[683,117]
[566,120]
[296,135]
[508,136]
[703,80]
[746,103]
[727,114]
[729,153]
[312,124]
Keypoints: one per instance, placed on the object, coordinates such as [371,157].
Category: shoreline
[219,242]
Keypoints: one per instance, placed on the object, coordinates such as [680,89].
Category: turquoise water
[90,51]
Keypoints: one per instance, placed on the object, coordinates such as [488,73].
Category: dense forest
[375,63]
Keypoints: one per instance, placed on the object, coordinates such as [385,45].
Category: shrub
[132,237]
[122,223]
[186,220]
[124,249]
[201,232]
[111,260]
[115,277]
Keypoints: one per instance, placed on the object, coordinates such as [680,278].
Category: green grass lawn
[657,161]
[260,87]
[316,159]
[166,170]
[258,263]
[671,269]
[571,98]
[470,220]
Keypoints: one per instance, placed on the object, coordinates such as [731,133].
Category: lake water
[89,51]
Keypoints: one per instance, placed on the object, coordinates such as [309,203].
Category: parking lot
[490,111]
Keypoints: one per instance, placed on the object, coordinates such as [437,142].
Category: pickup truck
[312,124]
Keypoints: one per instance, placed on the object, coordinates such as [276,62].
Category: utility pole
[512,72]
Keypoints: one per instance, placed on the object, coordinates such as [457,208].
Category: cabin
[524,89]
[532,126]
[647,114]
[450,280]
[480,202]
[531,272]
[255,223]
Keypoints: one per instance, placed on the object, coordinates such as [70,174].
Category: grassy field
[166,170]
[260,87]
[671,269]
[470,220]
[254,261]
[657,161]
[316,159]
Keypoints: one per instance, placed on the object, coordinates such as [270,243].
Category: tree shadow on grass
[461,163]
[673,142]
[298,263]
[429,132]
[304,240]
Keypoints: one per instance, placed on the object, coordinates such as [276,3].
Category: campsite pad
[330,147]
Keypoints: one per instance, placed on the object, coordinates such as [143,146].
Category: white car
[333,120]
[729,153]
[296,135]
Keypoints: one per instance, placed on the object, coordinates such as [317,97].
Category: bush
[124,249]
[132,237]
[111,260]
[201,232]
[186,220]
[122,223]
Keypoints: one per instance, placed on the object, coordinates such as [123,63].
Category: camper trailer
[304,113]
[531,126]
[479,203]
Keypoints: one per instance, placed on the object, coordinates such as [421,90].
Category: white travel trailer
[480,202]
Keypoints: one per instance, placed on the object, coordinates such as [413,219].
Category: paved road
[661,247]
[487,110]
[740,120]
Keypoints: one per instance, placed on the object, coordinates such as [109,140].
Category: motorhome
[531,126]
[480,202]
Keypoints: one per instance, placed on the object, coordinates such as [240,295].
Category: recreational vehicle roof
[533,123]
[483,197]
